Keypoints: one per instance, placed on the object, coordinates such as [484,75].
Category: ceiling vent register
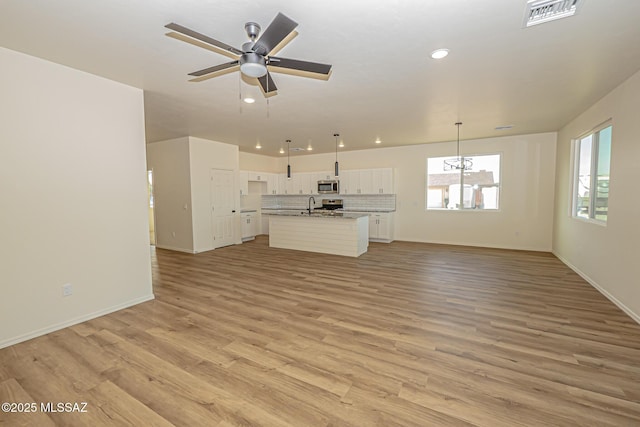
[541,11]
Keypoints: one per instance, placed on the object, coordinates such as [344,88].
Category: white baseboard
[477,245]
[172,248]
[600,289]
[75,321]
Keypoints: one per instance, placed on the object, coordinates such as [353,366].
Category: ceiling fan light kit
[254,58]
[253,65]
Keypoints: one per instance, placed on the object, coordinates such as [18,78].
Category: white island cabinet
[346,234]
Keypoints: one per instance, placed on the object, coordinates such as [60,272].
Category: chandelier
[458,162]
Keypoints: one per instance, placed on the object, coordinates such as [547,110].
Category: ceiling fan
[254,58]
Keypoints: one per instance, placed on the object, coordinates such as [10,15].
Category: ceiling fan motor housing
[252,29]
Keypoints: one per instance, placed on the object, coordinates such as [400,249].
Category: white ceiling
[383,83]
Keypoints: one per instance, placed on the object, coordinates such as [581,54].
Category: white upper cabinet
[367,181]
[285,184]
[382,181]
[325,176]
[302,183]
[355,181]
[273,184]
[349,182]
[244,183]
[258,176]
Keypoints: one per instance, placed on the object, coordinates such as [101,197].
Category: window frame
[500,155]
[593,173]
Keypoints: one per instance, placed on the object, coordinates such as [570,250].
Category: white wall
[259,162]
[607,256]
[525,218]
[181,170]
[206,155]
[73,197]
[169,161]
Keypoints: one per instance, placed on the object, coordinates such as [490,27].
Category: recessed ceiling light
[439,53]
[378,141]
[258,146]
[309,147]
[341,145]
[249,100]
[281,150]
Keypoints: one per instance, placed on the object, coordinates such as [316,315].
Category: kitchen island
[337,233]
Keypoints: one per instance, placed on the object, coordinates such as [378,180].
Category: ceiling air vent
[541,11]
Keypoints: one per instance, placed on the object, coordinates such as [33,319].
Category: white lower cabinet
[250,225]
[381,227]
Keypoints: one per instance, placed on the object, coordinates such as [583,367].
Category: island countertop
[335,215]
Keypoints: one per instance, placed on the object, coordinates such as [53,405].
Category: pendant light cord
[288,162]
[336,166]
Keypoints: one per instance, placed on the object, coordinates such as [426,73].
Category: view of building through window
[591,175]
[474,188]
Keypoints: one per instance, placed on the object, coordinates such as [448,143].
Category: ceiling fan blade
[279,28]
[267,83]
[294,64]
[187,32]
[214,68]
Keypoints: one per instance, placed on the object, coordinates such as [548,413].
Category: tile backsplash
[352,202]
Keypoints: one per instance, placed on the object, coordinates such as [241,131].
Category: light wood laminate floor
[406,335]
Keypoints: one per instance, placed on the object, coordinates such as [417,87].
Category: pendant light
[288,164]
[337,171]
[457,163]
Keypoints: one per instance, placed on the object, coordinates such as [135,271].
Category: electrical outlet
[67,289]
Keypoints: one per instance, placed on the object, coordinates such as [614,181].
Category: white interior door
[222,207]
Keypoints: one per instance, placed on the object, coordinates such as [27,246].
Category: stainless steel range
[330,207]
[332,204]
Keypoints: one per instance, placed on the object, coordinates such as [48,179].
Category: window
[474,188]
[591,175]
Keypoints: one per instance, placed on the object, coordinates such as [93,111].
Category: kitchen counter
[270,211]
[324,214]
[344,234]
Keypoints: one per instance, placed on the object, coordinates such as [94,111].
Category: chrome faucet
[314,204]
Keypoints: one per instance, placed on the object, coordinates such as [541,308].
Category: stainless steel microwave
[329,187]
